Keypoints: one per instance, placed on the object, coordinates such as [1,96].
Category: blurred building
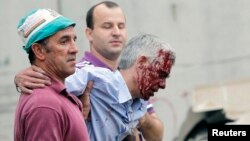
[211,40]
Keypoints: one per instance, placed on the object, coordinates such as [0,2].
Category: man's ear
[88,34]
[141,61]
[39,51]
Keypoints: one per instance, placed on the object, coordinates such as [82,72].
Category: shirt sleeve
[43,124]
[150,107]
[77,82]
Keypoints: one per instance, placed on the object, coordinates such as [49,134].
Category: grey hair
[142,44]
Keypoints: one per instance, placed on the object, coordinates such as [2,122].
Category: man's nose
[162,84]
[116,30]
[73,47]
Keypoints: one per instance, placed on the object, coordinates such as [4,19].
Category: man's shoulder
[86,68]
[86,65]
[41,98]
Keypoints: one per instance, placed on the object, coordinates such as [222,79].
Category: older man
[145,65]
[49,113]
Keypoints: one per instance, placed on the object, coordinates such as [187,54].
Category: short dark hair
[89,17]
[32,57]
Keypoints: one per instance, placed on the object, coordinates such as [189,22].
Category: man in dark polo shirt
[49,113]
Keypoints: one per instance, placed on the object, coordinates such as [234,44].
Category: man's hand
[85,100]
[30,78]
[151,127]
[133,137]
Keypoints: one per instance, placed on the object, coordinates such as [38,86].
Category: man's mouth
[115,42]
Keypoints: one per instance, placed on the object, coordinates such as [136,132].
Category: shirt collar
[124,93]
[57,85]
[88,56]
[60,88]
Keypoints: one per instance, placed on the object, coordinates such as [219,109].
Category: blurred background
[209,82]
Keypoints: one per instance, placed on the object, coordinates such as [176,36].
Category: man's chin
[146,97]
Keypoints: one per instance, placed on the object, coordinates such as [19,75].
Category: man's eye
[107,26]
[163,75]
[63,42]
[121,26]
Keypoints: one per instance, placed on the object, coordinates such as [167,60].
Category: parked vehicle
[226,103]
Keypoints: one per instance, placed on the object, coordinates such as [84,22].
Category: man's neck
[49,72]
[112,64]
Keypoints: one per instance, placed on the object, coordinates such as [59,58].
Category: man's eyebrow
[67,37]
[107,22]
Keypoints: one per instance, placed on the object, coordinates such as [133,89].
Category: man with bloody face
[145,65]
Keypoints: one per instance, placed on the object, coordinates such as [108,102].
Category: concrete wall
[211,40]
